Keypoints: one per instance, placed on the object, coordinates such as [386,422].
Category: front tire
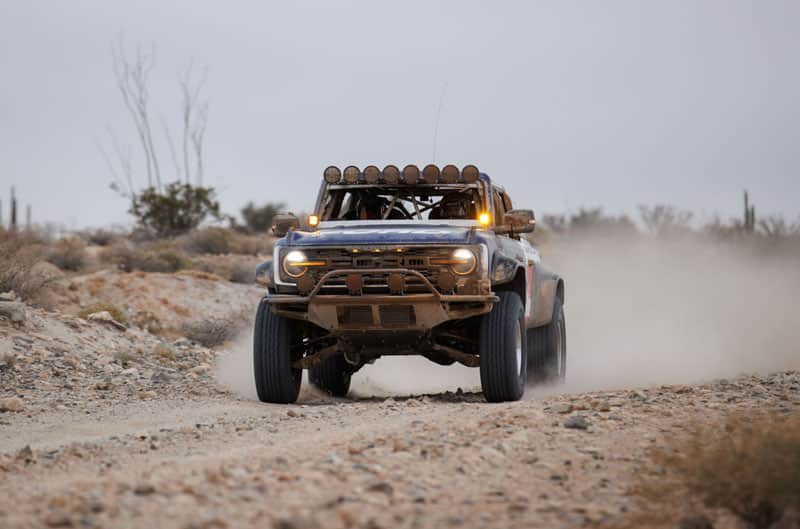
[503,350]
[332,376]
[548,348]
[276,380]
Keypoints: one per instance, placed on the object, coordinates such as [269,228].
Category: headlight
[296,263]
[462,261]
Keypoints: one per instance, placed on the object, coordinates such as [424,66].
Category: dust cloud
[639,313]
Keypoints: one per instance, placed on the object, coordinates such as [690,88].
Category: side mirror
[520,220]
[281,224]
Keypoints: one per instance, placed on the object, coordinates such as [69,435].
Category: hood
[382,235]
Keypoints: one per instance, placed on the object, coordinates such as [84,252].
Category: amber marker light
[313,221]
[484,219]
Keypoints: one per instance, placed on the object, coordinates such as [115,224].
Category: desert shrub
[18,256]
[163,261]
[243,244]
[242,272]
[175,210]
[665,221]
[749,465]
[155,258]
[211,332]
[595,222]
[259,218]
[215,241]
[68,254]
[116,313]
[100,237]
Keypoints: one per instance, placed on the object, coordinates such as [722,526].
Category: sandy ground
[169,445]
[103,427]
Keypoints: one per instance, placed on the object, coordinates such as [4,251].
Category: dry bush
[148,258]
[749,466]
[100,237]
[244,244]
[116,313]
[242,272]
[68,254]
[213,331]
[18,256]
[201,274]
[215,241]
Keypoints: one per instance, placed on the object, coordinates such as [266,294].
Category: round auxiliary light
[410,174]
[351,174]
[470,174]
[391,174]
[430,174]
[450,174]
[371,174]
[332,174]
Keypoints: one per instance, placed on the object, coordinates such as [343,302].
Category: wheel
[502,349]
[332,376]
[547,360]
[276,380]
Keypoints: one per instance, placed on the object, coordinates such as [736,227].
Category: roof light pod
[332,174]
[351,174]
[371,174]
[470,174]
[410,174]
[430,174]
[450,174]
[391,174]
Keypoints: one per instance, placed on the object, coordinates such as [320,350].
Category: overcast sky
[569,104]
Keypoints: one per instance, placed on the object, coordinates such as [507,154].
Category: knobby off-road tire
[502,349]
[332,376]
[276,380]
[547,347]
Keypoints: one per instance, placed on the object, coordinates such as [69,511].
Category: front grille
[396,315]
[411,258]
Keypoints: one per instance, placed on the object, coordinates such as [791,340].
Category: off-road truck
[408,262]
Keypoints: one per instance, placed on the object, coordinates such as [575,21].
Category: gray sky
[568,104]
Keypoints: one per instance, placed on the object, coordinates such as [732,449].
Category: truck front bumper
[399,312]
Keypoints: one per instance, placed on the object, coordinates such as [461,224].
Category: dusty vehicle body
[439,269]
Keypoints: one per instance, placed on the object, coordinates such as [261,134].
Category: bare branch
[172,152]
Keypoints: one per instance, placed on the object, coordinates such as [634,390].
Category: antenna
[438,115]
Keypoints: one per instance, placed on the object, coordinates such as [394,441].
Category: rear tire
[503,350]
[548,349]
[332,376]
[276,380]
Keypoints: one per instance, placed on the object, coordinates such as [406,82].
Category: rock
[26,454]
[576,422]
[12,404]
[561,407]
[130,372]
[291,413]
[383,487]
[694,521]
[144,489]
[14,311]
[201,369]
[103,385]
[8,296]
[105,317]
[58,519]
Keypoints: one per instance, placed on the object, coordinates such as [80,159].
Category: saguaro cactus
[749,214]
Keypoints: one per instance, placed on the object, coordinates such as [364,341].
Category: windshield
[385,202]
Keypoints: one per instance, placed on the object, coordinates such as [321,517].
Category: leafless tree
[132,73]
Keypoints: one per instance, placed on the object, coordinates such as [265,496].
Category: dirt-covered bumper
[394,310]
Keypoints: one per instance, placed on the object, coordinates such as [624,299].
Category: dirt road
[432,461]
